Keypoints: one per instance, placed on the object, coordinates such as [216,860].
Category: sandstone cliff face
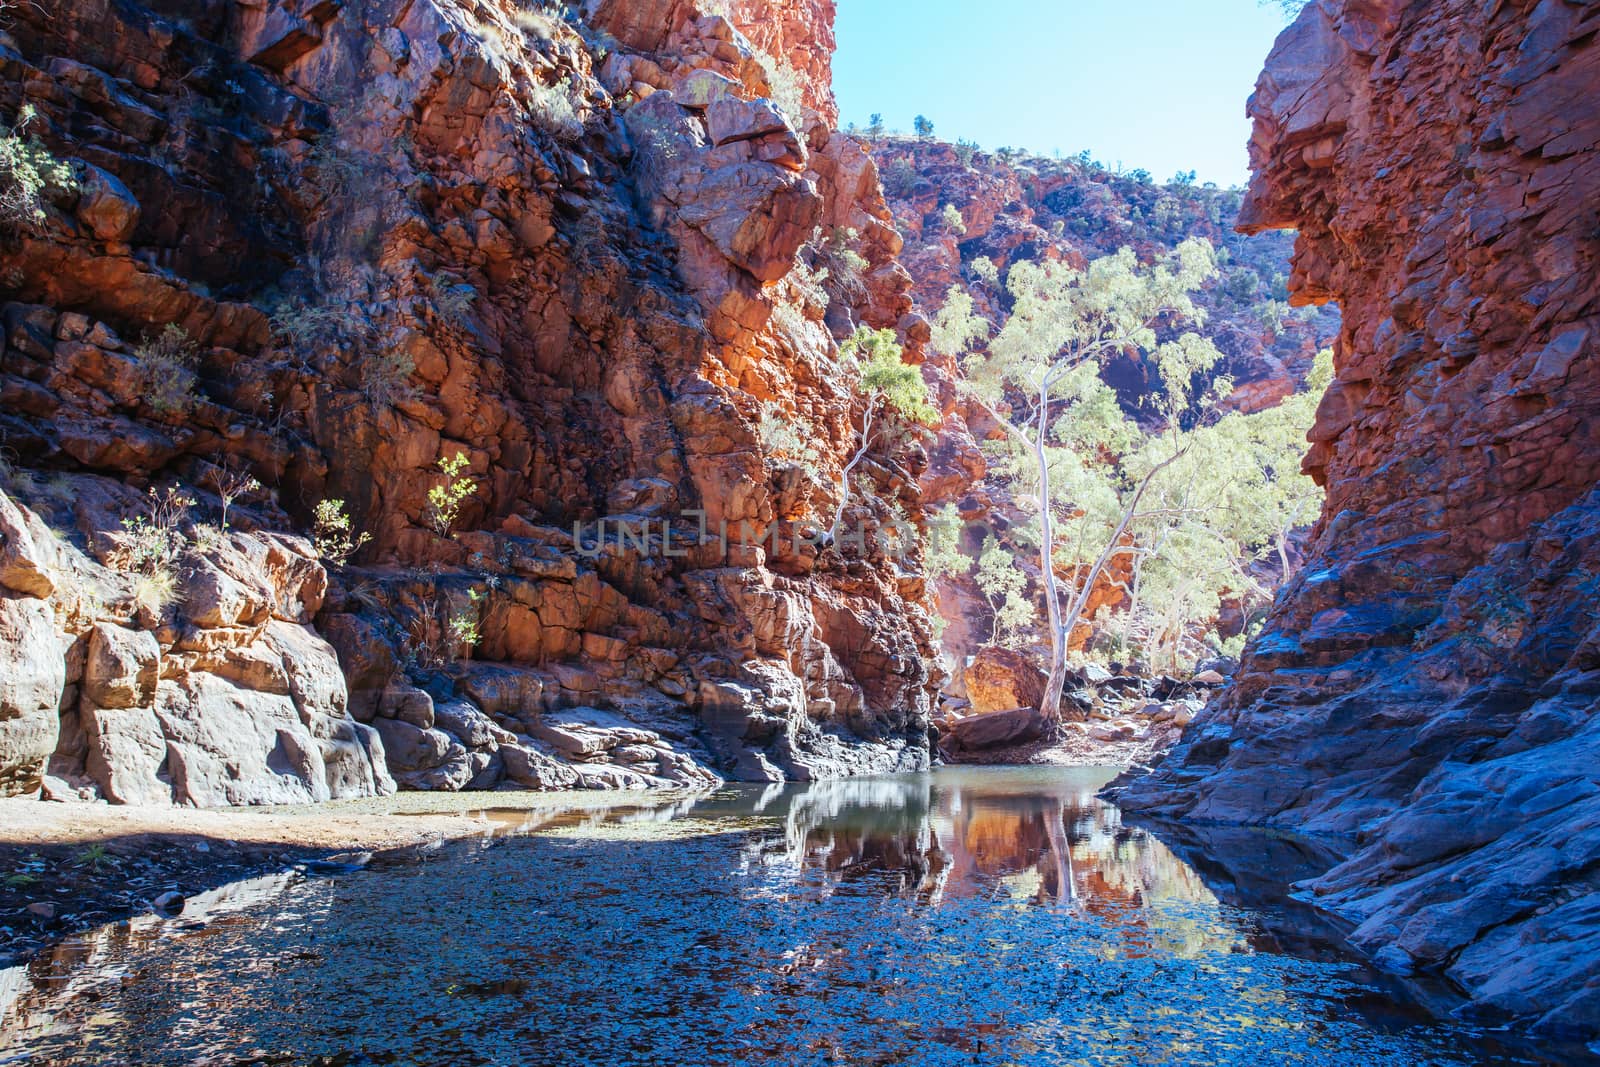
[400,232]
[1428,684]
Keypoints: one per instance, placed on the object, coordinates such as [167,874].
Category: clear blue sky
[1159,84]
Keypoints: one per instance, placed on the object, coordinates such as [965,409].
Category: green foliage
[299,326]
[384,378]
[966,151]
[887,377]
[875,128]
[782,439]
[1107,485]
[151,541]
[445,501]
[923,126]
[840,264]
[942,555]
[94,855]
[787,92]
[333,533]
[27,172]
[450,297]
[461,628]
[900,178]
[167,365]
[984,269]
[1004,585]
[950,218]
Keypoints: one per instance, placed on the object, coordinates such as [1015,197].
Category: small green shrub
[27,171]
[451,297]
[784,82]
[385,378]
[461,629]
[299,326]
[950,218]
[333,534]
[782,439]
[900,178]
[168,363]
[152,541]
[445,501]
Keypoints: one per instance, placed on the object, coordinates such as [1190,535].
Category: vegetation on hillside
[1178,505]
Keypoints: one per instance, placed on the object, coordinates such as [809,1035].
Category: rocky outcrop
[1428,685]
[325,253]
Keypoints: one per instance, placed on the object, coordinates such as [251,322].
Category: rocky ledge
[1429,685]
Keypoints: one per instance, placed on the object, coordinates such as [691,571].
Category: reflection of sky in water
[972,917]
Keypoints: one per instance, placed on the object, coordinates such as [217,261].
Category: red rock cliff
[400,232]
[1428,683]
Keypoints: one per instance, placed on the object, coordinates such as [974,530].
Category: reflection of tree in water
[1028,839]
[858,835]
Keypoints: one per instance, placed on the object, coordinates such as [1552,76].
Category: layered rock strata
[420,252]
[1428,685]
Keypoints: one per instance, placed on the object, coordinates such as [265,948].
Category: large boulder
[994,730]
[1002,678]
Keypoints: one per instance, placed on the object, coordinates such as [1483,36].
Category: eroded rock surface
[1429,683]
[564,250]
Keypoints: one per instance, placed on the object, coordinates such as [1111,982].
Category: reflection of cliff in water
[1032,836]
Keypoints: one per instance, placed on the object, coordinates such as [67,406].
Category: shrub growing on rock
[781,439]
[445,501]
[900,178]
[27,171]
[167,363]
[895,393]
[149,547]
[333,534]
[552,109]
[784,83]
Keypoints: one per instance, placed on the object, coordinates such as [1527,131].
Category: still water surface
[972,916]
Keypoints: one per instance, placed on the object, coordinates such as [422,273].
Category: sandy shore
[370,824]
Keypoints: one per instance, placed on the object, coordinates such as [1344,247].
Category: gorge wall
[1429,683]
[316,248]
